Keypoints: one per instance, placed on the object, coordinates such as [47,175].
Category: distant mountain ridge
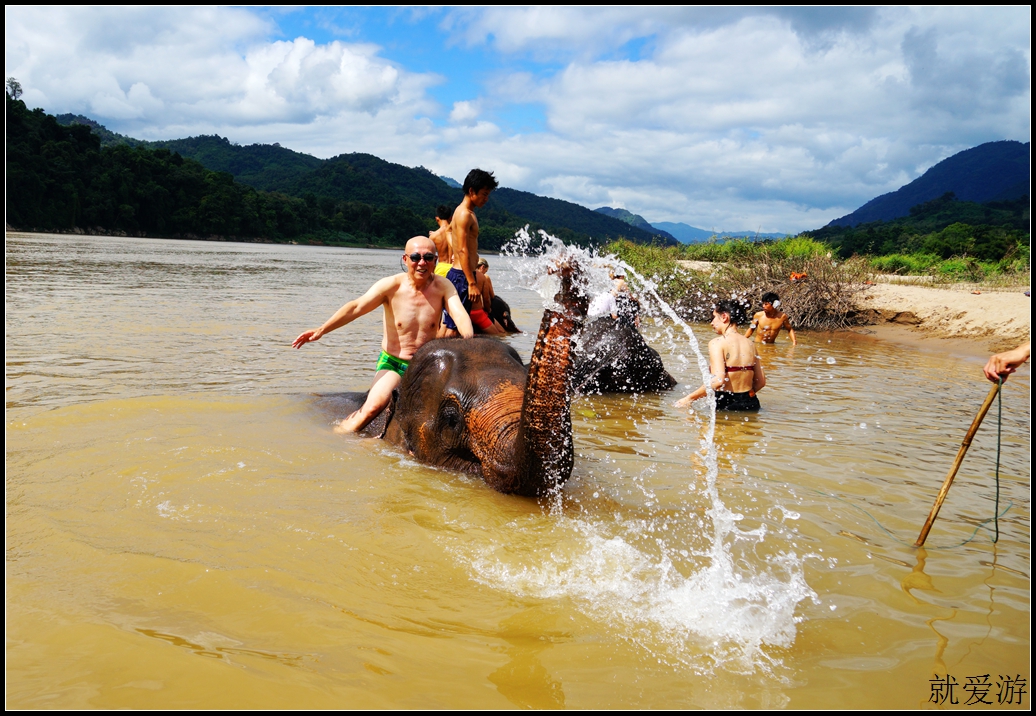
[693,235]
[379,184]
[994,171]
[684,233]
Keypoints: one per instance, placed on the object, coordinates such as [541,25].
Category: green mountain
[61,178]
[622,215]
[267,167]
[944,227]
[994,171]
[108,138]
[351,189]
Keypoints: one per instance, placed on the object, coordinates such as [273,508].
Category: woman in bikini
[737,373]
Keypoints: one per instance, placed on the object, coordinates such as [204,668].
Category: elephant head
[613,357]
[471,405]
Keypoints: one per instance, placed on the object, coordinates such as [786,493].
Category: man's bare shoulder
[463,218]
[441,284]
[388,286]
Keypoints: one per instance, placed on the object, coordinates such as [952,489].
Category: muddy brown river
[184,530]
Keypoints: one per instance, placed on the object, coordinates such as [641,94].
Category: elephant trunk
[544,451]
[545,430]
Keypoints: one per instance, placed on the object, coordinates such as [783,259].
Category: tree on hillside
[14,88]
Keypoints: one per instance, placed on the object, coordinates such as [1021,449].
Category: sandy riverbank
[999,318]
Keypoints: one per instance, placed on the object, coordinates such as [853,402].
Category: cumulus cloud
[759,114]
[202,67]
[746,118]
[464,112]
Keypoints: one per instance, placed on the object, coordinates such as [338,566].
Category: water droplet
[831,361]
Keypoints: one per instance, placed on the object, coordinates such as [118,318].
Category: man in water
[441,238]
[770,321]
[464,241]
[413,302]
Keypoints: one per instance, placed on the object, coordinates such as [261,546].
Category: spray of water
[689,587]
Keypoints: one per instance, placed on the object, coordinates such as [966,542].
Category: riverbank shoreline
[9,232]
[994,318]
[951,315]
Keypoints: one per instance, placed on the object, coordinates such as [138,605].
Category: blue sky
[417,39]
[777,119]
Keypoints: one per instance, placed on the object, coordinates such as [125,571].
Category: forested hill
[352,185]
[944,227]
[267,167]
[367,178]
[995,171]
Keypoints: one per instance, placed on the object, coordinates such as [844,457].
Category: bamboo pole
[956,464]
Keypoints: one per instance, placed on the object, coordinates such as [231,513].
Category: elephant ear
[377,427]
[598,350]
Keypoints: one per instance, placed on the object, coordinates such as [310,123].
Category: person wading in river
[464,241]
[770,321]
[737,373]
[414,302]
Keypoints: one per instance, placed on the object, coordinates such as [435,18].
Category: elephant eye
[449,415]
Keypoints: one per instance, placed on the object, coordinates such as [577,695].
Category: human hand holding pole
[1001,365]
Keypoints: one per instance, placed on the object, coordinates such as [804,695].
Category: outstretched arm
[375,296]
[1003,364]
[718,368]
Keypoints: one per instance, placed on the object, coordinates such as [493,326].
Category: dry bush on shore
[823,301]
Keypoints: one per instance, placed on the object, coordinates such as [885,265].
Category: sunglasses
[415,258]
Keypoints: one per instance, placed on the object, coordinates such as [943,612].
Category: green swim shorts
[387,362]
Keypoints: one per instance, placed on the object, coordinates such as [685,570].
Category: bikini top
[736,368]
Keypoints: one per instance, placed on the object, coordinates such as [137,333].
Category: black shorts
[745,402]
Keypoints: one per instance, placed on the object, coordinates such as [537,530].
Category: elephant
[612,357]
[471,404]
[501,313]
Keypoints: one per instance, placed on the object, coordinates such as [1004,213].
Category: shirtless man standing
[464,242]
[770,321]
[441,238]
[413,302]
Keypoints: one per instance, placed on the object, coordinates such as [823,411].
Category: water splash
[688,584]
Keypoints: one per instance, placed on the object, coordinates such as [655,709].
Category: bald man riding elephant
[413,302]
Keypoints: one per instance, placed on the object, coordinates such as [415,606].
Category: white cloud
[195,67]
[757,119]
[771,118]
[464,112]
